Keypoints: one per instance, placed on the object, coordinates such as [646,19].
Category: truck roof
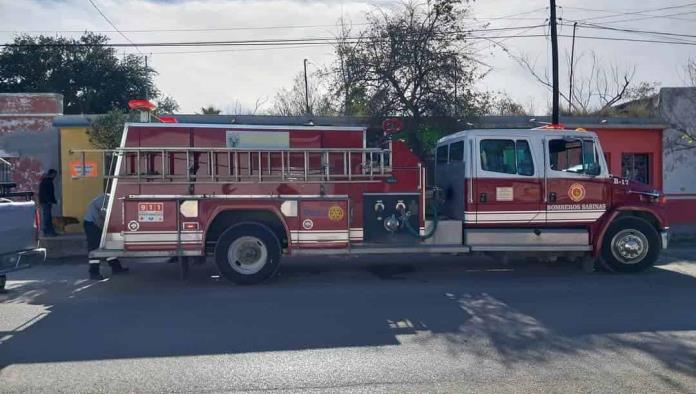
[247,126]
[534,133]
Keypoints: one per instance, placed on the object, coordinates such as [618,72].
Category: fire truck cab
[547,190]
[245,195]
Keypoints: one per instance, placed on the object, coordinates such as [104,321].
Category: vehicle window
[525,163]
[576,156]
[636,167]
[507,157]
[456,152]
[442,154]
[498,156]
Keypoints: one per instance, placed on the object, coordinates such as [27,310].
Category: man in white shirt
[93,223]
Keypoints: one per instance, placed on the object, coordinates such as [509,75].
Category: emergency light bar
[141,105]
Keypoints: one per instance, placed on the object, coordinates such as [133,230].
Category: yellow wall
[77,193]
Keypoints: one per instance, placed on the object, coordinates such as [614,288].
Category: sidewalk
[64,245]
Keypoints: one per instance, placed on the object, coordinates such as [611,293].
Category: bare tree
[291,101]
[503,105]
[237,108]
[691,72]
[597,87]
[412,61]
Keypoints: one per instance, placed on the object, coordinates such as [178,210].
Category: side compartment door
[507,185]
[577,181]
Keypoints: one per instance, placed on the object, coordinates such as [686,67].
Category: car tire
[630,245]
[247,253]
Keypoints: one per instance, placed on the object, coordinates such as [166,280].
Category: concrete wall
[27,138]
[678,110]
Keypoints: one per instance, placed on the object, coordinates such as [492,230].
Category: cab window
[456,152]
[507,157]
[442,154]
[577,156]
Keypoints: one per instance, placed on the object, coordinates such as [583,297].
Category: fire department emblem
[335,213]
[133,225]
[307,224]
[576,192]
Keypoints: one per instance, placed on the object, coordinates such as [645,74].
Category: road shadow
[526,311]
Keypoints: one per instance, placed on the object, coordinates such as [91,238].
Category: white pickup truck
[19,226]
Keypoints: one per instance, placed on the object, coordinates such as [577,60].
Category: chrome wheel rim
[629,246]
[247,255]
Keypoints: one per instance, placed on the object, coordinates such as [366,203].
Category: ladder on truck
[184,165]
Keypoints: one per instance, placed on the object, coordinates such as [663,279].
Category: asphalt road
[383,324]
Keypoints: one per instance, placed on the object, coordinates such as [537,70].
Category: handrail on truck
[377,164]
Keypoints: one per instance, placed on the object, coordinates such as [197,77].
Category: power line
[515,16]
[667,16]
[112,24]
[618,12]
[644,12]
[596,26]
[241,28]
[326,41]
[250,42]
[202,29]
[269,48]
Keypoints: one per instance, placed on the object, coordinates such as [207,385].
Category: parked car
[19,229]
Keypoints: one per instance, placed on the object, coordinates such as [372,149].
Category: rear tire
[247,253]
[630,245]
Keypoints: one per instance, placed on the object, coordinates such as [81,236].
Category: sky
[230,78]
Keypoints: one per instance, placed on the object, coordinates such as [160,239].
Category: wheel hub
[247,255]
[629,246]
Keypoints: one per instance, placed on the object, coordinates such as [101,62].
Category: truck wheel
[247,253]
[630,245]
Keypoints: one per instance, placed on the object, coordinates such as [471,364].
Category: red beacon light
[553,127]
[166,119]
[141,105]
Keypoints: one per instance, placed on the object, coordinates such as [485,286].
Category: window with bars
[636,167]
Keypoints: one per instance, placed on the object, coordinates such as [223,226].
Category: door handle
[483,197]
[552,197]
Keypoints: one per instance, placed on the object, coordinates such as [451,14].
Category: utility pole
[456,103]
[572,64]
[147,91]
[306,88]
[554,54]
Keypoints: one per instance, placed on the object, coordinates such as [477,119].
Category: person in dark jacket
[47,197]
[93,223]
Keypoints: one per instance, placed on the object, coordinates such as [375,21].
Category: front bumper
[21,260]
[664,238]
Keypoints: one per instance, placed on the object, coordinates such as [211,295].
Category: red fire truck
[248,194]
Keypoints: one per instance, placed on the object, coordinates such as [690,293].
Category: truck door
[507,185]
[577,190]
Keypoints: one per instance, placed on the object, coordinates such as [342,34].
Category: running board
[104,253]
[531,248]
[385,249]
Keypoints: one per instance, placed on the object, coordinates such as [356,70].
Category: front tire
[630,245]
[247,253]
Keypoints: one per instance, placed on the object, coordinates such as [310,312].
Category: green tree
[89,74]
[412,61]
[106,130]
[166,105]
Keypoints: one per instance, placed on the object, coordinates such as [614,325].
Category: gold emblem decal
[335,213]
[576,192]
